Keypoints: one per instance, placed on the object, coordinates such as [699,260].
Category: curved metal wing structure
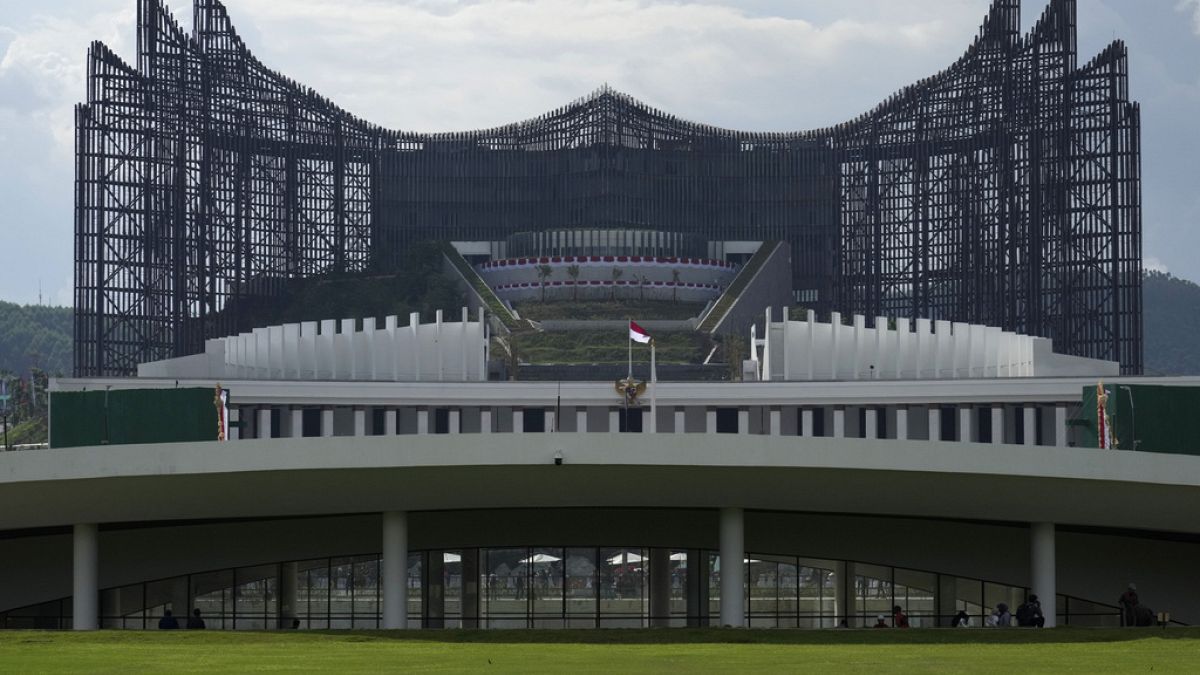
[1004,190]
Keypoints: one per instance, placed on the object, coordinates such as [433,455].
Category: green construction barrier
[126,416]
[1150,418]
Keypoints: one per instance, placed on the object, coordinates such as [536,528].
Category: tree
[675,274]
[573,272]
[616,274]
[544,272]
[642,288]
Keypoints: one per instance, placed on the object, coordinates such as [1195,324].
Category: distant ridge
[35,336]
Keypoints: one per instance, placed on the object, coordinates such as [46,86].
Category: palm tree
[616,274]
[675,285]
[573,272]
[544,272]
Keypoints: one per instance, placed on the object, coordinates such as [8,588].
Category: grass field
[606,651]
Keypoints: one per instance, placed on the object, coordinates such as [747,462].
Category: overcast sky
[441,65]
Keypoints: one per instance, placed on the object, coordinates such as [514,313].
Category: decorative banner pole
[653,391]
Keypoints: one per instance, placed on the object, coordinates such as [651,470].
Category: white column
[485,421]
[264,422]
[360,422]
[902,423]
[998,424]
[733,572]
[614,420]
[839,422]
[1030,437]
[1060,426]
[389,421]
[288,594]
[935,422]
[423,421]
[395,570]
[680,420]
[454,421]
[548,426]
[581,420]
[297,422]
[710,421]
[327,422]
[518,420]
[235,424]
[1042,572]
[776,417]
[871,421]
[806,423]
[743,421]
[85,596]
[966,423]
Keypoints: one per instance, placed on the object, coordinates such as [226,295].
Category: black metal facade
[1004,190]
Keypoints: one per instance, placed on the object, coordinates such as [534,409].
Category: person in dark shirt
[168,622]
[195,622]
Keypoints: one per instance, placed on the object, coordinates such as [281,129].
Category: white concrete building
[804,500]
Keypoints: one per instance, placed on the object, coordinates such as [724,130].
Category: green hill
[1172,325]
[35,336]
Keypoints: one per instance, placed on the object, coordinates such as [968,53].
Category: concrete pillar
[389,421]
[1030,435]
[776,422]
[288,594]
[581,420]
[360,422]
[327,422]
[935,422]
[997,424]
[264,422]
[485,421]
[422,421]
[395,570]
[966,423]
[697,588]
[733,568]
[1042,569]
[1060,426]
[845,593]
[871,422]
[660,588]
[710,421]
[433,590]
[518,420]
[455,421]
[680,420]
[902,423]
[839,422]
[548,425]
[296,422]
[85,590]
[743,421]
[614,420]
[470,588]
[806,423]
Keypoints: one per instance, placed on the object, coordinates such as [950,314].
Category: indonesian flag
[637,333]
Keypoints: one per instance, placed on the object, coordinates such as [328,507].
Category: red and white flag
[637,333]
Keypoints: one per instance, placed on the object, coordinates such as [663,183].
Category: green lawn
[607,651]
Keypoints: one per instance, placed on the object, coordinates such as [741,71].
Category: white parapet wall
[904,349]
[340,350]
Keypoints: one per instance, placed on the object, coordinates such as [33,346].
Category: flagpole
[653,391]
[629,344]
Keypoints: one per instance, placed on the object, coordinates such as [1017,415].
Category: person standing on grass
[194,621]
[168,621]
[899,618]
[1129,602]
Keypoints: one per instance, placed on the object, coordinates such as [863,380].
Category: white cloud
[1194,7]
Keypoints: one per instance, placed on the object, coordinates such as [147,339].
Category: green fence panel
[1150,418]
[129,416]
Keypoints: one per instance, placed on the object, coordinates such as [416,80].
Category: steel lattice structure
[1004,190]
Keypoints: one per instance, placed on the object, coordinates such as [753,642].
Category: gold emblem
[629,390]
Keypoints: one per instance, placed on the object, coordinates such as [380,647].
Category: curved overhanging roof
[325,476]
